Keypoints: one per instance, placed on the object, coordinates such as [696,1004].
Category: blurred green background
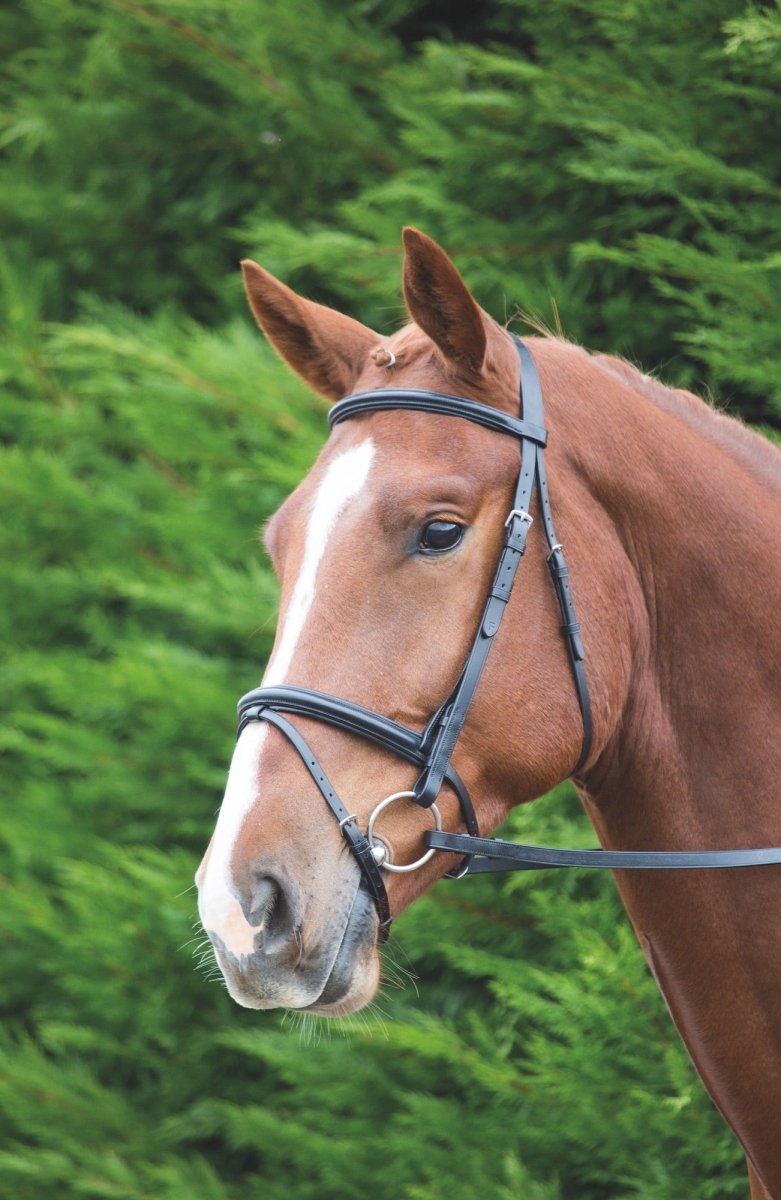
[611,168]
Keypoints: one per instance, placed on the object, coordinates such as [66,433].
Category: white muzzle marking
[218,905]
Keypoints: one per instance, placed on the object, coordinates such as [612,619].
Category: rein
[433,749]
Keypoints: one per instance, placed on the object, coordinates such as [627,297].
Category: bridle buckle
[521,514]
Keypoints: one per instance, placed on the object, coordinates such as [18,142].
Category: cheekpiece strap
[452,715]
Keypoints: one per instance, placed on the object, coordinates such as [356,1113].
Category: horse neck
[691,760]
[698,533]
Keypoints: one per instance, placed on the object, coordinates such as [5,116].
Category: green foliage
[611,165]
[618,158]
[136,134]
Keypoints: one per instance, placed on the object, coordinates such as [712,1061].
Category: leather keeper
[493,614]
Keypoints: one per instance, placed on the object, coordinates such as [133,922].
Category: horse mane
[751,450]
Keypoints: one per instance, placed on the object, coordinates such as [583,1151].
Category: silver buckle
[518,512]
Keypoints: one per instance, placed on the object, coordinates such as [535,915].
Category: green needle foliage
[614,163]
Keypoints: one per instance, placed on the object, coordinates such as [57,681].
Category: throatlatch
[432,750]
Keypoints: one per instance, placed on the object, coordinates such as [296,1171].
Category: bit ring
[385,863]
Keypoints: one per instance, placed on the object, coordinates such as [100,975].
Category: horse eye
[438,536]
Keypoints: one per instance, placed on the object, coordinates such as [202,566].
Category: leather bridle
[432,750]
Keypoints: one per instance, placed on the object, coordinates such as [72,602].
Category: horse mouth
[352,980]
[338,989]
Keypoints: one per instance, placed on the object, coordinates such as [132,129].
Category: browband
[409,399]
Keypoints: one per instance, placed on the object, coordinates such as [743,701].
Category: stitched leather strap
[451,717]
[372,876]
[493,854]
[414,399]
[352,718]
[570,627]
[454,712]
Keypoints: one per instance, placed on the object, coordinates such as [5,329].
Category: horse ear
[439,301]
[324,347]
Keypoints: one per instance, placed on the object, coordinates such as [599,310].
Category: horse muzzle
[278,959]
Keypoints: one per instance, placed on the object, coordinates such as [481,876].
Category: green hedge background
[612,168]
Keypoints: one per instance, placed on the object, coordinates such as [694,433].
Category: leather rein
[432,749]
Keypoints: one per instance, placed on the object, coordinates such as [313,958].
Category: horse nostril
[264,896]
[269,904]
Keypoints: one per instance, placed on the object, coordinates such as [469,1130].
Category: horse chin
[347,985]
[355,973]
[359,992]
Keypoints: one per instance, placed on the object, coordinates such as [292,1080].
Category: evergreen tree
[617,159]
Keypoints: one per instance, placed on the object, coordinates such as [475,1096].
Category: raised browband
[417,400]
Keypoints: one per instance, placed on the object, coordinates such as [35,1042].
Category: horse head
[385,554]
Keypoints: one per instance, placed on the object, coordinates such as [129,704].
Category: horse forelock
[419,363]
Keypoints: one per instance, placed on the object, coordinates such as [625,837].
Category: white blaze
[220,911]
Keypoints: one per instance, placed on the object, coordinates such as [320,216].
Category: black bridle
[433,749]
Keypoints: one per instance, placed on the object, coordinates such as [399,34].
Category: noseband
[432,750]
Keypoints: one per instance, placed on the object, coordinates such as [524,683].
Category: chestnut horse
[671,520]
